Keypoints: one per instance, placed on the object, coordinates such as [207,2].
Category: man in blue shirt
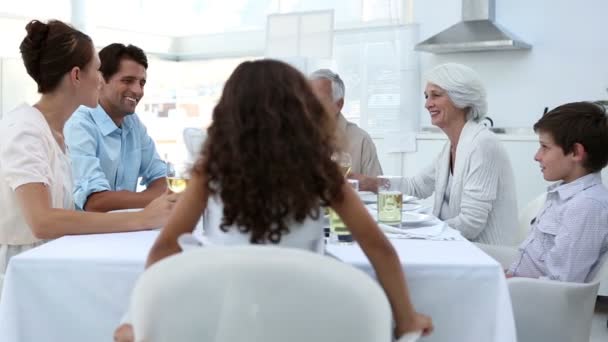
[109,146]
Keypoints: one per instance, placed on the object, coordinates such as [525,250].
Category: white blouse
[307,235]
[29,154]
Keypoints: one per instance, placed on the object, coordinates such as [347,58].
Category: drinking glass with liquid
[390,200]
[344,160]
[337,229]
[178,175]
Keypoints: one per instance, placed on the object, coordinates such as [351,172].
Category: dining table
[77,288]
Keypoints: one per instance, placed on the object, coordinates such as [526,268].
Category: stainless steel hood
[476,32]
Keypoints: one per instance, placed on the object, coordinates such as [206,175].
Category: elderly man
[329,88]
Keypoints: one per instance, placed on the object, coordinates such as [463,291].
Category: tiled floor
[599,330]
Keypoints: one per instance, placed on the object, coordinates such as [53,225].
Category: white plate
[405,206]
[370,197]
[416,218]
[410,218]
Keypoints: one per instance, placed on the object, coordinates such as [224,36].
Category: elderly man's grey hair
[463,86]
[337,86]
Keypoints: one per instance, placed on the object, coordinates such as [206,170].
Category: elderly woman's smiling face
[443,111]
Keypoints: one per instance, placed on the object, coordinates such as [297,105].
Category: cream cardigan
[483,203]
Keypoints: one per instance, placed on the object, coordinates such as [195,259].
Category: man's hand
[365,183]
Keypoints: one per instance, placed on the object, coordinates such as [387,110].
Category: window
[372,67]
[180,95]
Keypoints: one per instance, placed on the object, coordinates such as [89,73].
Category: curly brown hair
[268,151]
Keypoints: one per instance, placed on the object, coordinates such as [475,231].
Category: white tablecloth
[460,287]
[77,288]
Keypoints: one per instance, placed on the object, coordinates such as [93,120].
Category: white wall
[16,86]
[568,60]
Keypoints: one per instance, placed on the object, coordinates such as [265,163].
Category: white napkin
[439,232]
[410,337]
[428,231]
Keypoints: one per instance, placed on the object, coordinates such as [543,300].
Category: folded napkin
[439,232]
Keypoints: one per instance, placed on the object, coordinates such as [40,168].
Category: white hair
[463,86]
[337,86]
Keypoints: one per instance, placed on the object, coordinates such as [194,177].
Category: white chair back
[528,213]
[193,139]
[600,274]
[258,293]
[505,255]
[547,310]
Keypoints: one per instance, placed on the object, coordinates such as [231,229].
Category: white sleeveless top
[307,235]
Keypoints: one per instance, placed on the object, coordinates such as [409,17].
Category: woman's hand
[418,322]
[124,333]
[157,212]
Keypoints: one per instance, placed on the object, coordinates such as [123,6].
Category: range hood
[476,32]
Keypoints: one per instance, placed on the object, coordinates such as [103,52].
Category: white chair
[600,274]
[529,213]
[505,255]
[258,293]
[193,139]
[548,310]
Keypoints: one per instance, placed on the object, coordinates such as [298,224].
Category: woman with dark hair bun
[35,177]
[264,172]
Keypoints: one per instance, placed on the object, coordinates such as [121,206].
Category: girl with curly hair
[265,171]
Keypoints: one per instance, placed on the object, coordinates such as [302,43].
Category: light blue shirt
[107,157]
[570,234]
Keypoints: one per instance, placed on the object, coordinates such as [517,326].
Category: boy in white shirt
[570,233]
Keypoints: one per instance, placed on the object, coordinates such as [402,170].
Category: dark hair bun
[32,46]
[50,50]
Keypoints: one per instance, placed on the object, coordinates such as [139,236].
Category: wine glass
[178,175]
[344,160]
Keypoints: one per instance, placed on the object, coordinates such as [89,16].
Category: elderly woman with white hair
[472,177]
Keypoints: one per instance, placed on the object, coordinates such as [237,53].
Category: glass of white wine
[178,175]
[344,160]
[338,230]
[390,200]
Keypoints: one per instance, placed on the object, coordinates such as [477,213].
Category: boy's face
[554,164]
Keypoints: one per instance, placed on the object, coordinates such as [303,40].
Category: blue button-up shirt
[570,234]
[107,157]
